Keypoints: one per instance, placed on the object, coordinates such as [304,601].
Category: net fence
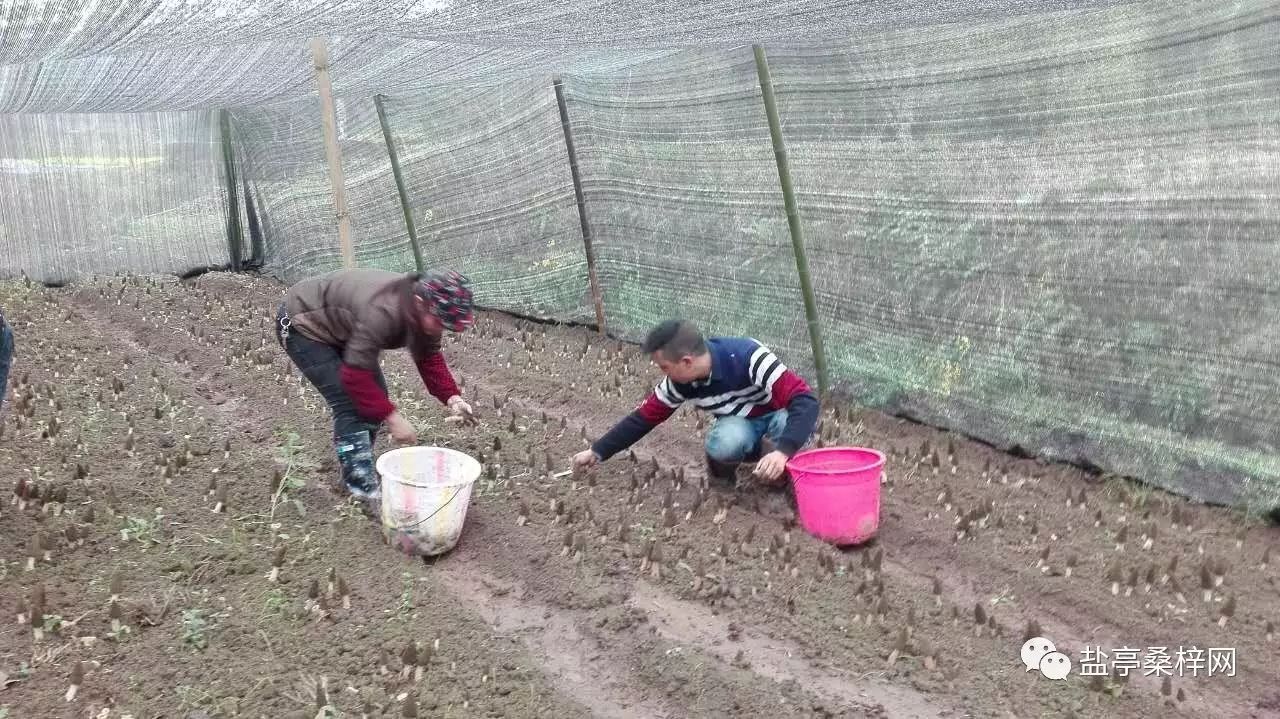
[1066,240]
[81,194]
[1049,227]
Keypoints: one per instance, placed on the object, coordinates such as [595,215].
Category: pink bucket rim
[878,461]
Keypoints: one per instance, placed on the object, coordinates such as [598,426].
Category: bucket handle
[429,516]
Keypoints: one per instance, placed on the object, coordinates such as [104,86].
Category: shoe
[724,471]
[766,446]
[355,454]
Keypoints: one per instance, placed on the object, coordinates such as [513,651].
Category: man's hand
[584,459]
[400,429]
[462,411]
[771,466]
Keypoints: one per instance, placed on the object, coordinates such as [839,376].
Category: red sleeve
[653,410]
[436,376]
[787,387]
[362,386]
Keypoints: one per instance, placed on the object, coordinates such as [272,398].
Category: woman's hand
[400,429]
[462,411]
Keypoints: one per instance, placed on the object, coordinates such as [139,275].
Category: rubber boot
[355,454]
[376,431]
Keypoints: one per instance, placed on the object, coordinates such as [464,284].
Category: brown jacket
[363,311]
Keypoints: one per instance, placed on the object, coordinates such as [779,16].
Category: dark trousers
[6,360]
[320,364]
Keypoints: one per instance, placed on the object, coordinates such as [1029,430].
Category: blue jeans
[6,359]
[737,439]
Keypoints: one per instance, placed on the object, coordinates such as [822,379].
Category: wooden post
[395,172]
[594,278]
[235,236]
[793,219]
[320,55]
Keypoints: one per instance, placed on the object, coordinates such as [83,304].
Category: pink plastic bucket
[838,492]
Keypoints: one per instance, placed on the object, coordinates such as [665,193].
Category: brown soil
[722,625]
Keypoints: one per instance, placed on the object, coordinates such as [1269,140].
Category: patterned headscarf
[448,296]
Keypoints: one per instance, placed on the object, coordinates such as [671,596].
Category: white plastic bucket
[425,493]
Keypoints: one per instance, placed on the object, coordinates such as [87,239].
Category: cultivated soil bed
[139,405]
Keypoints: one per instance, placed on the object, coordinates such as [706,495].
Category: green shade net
[1052,227]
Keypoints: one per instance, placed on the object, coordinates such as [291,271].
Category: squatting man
[765,412]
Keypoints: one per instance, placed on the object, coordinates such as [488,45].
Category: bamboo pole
[596,295]
[793,219]
[235,235]
[257,250]
[333,153]
[395,172]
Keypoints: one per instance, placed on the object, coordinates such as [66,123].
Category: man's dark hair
[675,339]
